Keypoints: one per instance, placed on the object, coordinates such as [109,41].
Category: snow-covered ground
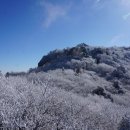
[81,88]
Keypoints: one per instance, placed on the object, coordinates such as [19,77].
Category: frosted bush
[35,102]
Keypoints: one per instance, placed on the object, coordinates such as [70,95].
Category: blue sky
[31,28]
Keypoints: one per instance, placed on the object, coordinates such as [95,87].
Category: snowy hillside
[79,88]
[84,69]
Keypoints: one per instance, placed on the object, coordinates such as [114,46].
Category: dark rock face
[98,91]
[116,85]
[118,89]
[125,124]
[119,72]
[96,51]
[79,51]
[101,92]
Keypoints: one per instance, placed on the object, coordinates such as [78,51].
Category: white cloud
[94,1]
[126,16]
[95,4]
[97,1]
[117,39]
[53,13]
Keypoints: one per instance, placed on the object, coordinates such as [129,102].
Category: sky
[30,29]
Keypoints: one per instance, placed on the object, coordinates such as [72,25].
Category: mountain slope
[113,57]
[76,88]
[84,69]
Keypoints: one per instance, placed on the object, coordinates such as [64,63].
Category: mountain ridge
[98,70]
